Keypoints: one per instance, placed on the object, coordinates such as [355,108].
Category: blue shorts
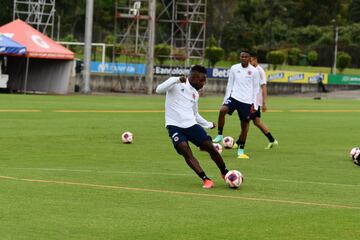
[195,134]
[256,114]
[243,109]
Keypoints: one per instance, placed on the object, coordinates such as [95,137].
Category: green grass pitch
[66,175]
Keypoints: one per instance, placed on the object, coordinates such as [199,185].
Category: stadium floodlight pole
[87,46]
[336,36]
[151,42]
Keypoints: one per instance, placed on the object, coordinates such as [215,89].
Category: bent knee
[256,122]
[207,146]
[224,110]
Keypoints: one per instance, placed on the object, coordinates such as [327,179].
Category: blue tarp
[9,46]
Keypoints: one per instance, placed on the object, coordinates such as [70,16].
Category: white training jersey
[243,84]
[262,82]
[181,104]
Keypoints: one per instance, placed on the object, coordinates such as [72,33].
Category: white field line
[209,111]
[326,111]
[278,201]
[134,111]
[182,174]
[161,111]
[109,111]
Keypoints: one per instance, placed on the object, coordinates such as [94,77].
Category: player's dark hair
[253,54]
[245,50]
[198,68]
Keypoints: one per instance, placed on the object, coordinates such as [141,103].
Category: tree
[312,56]
[238,35]
[354,11]
[214,55]
[275,58]
[293,56]
[343,61]
[319,12]
[222,12]
[6,11]
[307,35]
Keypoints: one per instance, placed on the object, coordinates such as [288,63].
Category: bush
[343,61]
[214,55]
[179,54]
[162,52]
[354,51]
[77,49]
[293,56]
[233,57]
[117,49]
[261,52]
[312,57]
[275,58]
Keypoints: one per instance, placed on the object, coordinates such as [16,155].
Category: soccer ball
[127,137]
[228,142]
[355,155]
[354,151]
[218,147]
[234,179]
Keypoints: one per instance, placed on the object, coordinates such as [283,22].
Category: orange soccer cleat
[208,184]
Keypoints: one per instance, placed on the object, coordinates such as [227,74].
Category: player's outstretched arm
[167,85]
[200,120]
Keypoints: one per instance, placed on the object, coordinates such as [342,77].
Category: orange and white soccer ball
[127,137]
[228,142]
[218,147]
[234,179]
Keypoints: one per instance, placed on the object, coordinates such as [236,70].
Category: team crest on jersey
[249,72]
[194,96]
[175,137]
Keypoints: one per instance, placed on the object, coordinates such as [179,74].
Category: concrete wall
[134,84]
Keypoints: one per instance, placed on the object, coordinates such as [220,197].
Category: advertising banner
[296,77]
[118,68]
[344,79]
[218,73]
[171,71]
[178,71]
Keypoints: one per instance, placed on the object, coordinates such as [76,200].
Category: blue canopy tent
[12,48]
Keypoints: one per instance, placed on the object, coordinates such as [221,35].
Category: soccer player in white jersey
[261,98]
[241,91]
[184,122]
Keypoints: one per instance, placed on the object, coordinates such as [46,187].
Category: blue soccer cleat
[218,139]
[241,154]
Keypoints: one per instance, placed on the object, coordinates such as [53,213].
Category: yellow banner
[295,77]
